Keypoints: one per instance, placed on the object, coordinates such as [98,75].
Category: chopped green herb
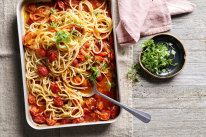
[59,21]
[104,66]
[95,13]
[52,11]
[96,73]
[134,73]
[114,75]
[175,64]
[75,22]
[123,52]
[108,37]
[87,56]
[53,24]
[99,41]
[157,57]
[111,85]
[61,36]
[98,62]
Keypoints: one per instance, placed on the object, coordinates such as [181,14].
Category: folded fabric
[146,17]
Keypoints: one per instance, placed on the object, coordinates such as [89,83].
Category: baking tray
[21,32]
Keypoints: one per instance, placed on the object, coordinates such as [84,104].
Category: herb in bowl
[157,57]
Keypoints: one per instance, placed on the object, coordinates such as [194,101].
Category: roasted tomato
[99,78]
[55,88]
[52,55]
[86,111]
[39,118]
[34,110]
[53,18]
[91,103]
[81,58]
[114,111]
[99,58]
[77,80]
[112,56]
[51,122]
[78,120]
[75,63]
[104,115]
[86,45]
[66,121]
[29,21]
[31,8]
[32,99]
[58,102]
[60,4]
[100,105]
[28,39]
[103,54]
[43,71]
[41,52]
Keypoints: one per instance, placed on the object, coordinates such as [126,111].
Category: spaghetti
[67,44]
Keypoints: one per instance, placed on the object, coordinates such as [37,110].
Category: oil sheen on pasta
[67,44]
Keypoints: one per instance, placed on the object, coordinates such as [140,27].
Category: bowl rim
[169,76]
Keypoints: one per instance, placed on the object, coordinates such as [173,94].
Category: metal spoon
[144,117]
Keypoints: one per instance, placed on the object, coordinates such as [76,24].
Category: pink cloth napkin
[146,17]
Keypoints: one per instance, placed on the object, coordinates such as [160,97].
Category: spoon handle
[144,117]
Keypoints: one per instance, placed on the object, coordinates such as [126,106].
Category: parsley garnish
[134,73]
[87,56]
[96,73]
[111,85]
[95,13]
[104,66]
[61,36]
[75,22]
[52,11]
[157,57]
[53,24]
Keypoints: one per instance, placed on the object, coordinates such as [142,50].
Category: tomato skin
[42,52]
[54,87]
[60,4]
[66,121]
[81,58]
[43,71]
[31,8]
[91,103]
[114,111]
[99,78]
[51,122]
[34,110]
[39,118]
[58,102]
[104,115]
[30,21]
[78,120]
[52,55]
[37,82]
[32,99]
[103,54]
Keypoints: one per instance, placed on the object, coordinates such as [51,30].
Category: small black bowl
[180,56]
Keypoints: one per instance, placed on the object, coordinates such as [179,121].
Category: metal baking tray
[21,32]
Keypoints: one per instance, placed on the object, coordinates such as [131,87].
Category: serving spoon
[144,117]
